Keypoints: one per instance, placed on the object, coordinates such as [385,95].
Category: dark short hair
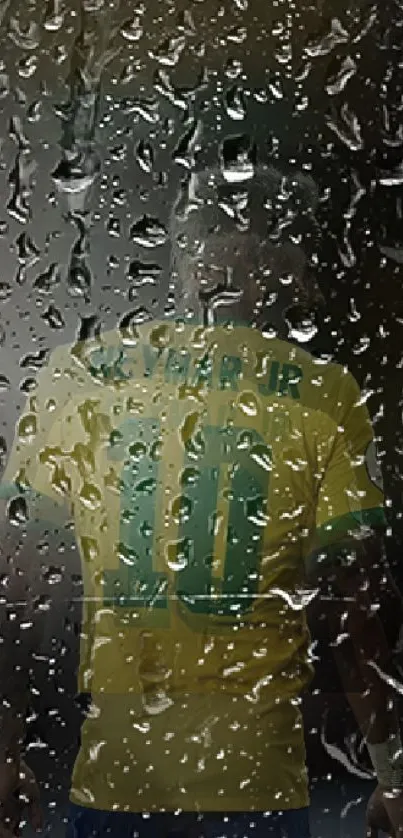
[270,205]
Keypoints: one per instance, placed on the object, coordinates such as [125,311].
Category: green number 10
[228,592]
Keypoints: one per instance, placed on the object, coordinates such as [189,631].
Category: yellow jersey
[203,467]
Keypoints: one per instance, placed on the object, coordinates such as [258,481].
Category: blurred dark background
[137,94]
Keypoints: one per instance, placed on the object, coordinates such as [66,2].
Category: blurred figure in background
[218,477]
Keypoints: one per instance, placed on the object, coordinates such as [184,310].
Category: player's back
[205,479]
[192,461]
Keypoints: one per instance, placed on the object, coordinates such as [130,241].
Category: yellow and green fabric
[203,468]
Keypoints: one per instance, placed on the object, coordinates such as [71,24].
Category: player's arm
[25,520]
[15,612]
[349,599]
[348,567]
[32,505]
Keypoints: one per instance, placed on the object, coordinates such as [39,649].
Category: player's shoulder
[320,372]
[74,357]
[67,376]
[324,382]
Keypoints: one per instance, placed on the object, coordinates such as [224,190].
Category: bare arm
[16,615]
[350,598]
[21,610]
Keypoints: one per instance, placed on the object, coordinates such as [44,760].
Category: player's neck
[269,320]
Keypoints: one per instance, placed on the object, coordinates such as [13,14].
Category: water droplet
[148,232]
[47,281]
[34,111]
[54,16]
[143,273]
[79,276]
[156,703]
[148,109]
[52,575]
[237,35]
[190,476]
[367,23]
[363,343]
[347,128]
[301,325]
[4,84]
[353,315]
[169,51]
[283,54]
[27,427]
[233,68]
[176,556]
[3,447]
[132,319]
[393,178]
[181,509]
[26,38]
[18,511]
[276,89]
[145,156]
[248,403]
[59,54]
[93,5]
[147,486]
[20,179]
[132,30]
[339,76]
[89,327]
[127,555]
[27,66]
[262,455]
[235,103]
[238,159]
[137,450]
[184,153]
[90,496]
[53,317]
[6,290]
[74,176]
[326,43]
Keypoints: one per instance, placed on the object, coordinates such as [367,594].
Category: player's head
[245,250]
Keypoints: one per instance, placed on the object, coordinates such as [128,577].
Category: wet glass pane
[201,441]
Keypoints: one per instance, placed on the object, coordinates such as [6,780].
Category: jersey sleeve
[350,498]
[36,464]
